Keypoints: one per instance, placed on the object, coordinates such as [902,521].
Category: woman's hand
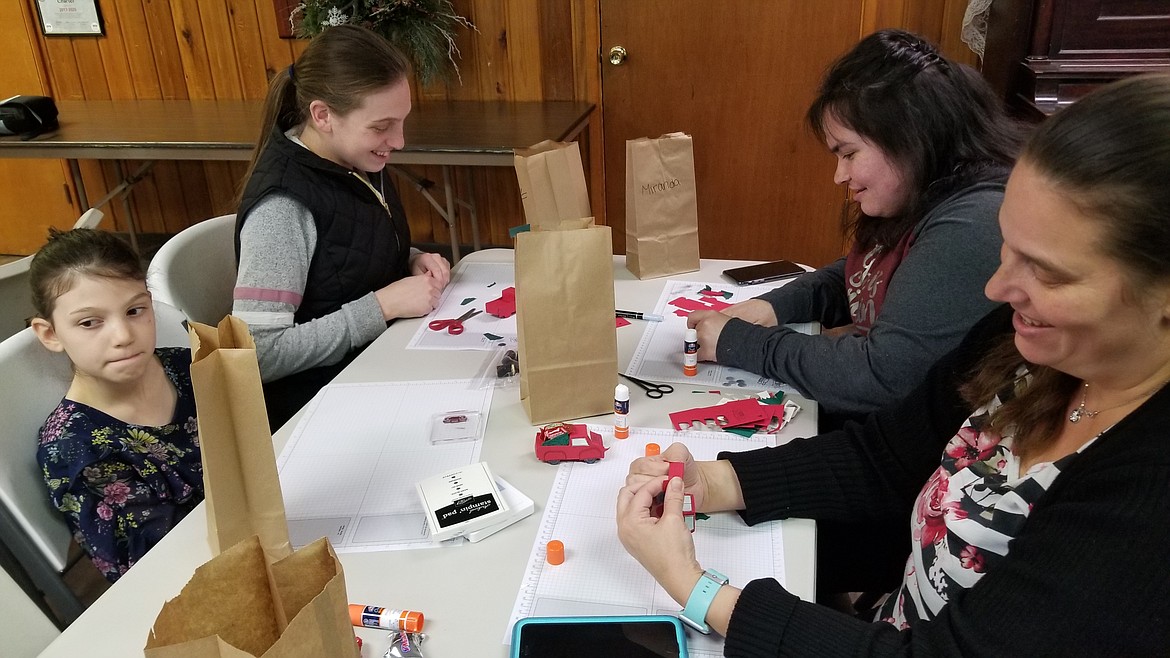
[756,311]
[663,546]
[432,265]
[709,324]
[410,297]
[713,485]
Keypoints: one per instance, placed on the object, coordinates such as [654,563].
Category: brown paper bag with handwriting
[662,212]
[565,321]
[241,486]
[238,605]
[552,183]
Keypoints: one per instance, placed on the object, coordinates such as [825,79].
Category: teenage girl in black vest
[322,242]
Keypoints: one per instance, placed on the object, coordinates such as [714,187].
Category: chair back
[15,296]
[195,271]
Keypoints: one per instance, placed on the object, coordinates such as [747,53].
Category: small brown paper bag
[238,606]
[565,321]
[240,481]
[552,183]
[662,213]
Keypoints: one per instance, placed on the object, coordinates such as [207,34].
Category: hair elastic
[292,74]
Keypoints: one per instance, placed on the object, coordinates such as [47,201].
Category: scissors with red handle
[453,327]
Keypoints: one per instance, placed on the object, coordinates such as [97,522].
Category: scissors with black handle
[653,391]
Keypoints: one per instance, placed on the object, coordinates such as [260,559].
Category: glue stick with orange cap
[691,353]
[372,616]
[653,449]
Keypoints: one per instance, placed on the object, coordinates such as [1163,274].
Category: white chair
[25,629]
[195,271]
[33,383]
[15,296]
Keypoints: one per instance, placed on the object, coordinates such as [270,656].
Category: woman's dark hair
[1109,154]
[340,66]
[939,122]
[79,252]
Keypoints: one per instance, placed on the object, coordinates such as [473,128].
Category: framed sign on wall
[70,18]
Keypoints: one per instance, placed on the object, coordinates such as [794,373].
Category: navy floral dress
[120,486]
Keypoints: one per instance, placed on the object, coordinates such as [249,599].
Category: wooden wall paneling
[950,41]
[586,43]
[192,49]
[554,39]
[115,65]
[492,75]
[140,53]
[223,58]
[249,49]
[524,49]
[164,41]
[278,53]
[33,197]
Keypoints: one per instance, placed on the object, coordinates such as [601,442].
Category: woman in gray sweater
[924,147]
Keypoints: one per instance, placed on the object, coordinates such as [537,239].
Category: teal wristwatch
[695,614]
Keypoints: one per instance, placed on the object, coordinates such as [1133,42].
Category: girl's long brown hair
[340,66]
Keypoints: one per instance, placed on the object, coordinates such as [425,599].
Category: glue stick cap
[653,449]
[555,552]
[621,392]
[691,336]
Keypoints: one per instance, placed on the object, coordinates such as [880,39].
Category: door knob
[617,55]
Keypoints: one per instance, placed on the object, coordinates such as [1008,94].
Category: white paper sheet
[349,470]
[476,285]
[659,355]
[598,577]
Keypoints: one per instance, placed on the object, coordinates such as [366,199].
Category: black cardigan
[1087,575]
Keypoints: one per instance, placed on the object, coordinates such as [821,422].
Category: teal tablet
[650,636]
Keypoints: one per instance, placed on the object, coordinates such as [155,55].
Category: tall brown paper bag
[662,212]
[237,605]
[565,322]
[552,183]
[241,485]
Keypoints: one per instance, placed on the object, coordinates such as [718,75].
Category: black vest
[359,248]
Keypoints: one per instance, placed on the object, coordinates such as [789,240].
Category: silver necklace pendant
[1076,414]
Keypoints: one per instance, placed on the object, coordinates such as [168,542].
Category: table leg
[75,172]
[452,220]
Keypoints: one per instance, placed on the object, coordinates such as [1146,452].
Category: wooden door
[738,77]
[42,198]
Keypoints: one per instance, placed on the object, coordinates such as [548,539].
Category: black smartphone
[764,272]
[650,636]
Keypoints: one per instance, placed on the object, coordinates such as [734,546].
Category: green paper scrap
[517,230]
[492,336]
[724,293]
[467,301]
[699,516]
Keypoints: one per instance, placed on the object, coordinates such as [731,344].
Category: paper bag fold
[237,605]
[241,485]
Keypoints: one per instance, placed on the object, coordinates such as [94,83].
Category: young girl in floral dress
[120,454]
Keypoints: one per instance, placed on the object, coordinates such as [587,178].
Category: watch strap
[695,612]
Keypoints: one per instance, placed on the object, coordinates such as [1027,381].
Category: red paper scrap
[505,306]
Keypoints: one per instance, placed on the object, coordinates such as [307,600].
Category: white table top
[466,592]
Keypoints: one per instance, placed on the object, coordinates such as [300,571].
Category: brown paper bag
[565,321]
[662,213]
[240,482]
[237,605]
[552,183]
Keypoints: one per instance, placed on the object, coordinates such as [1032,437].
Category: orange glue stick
[386,618]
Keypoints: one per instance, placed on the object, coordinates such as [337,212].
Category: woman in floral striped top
[1042,529]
